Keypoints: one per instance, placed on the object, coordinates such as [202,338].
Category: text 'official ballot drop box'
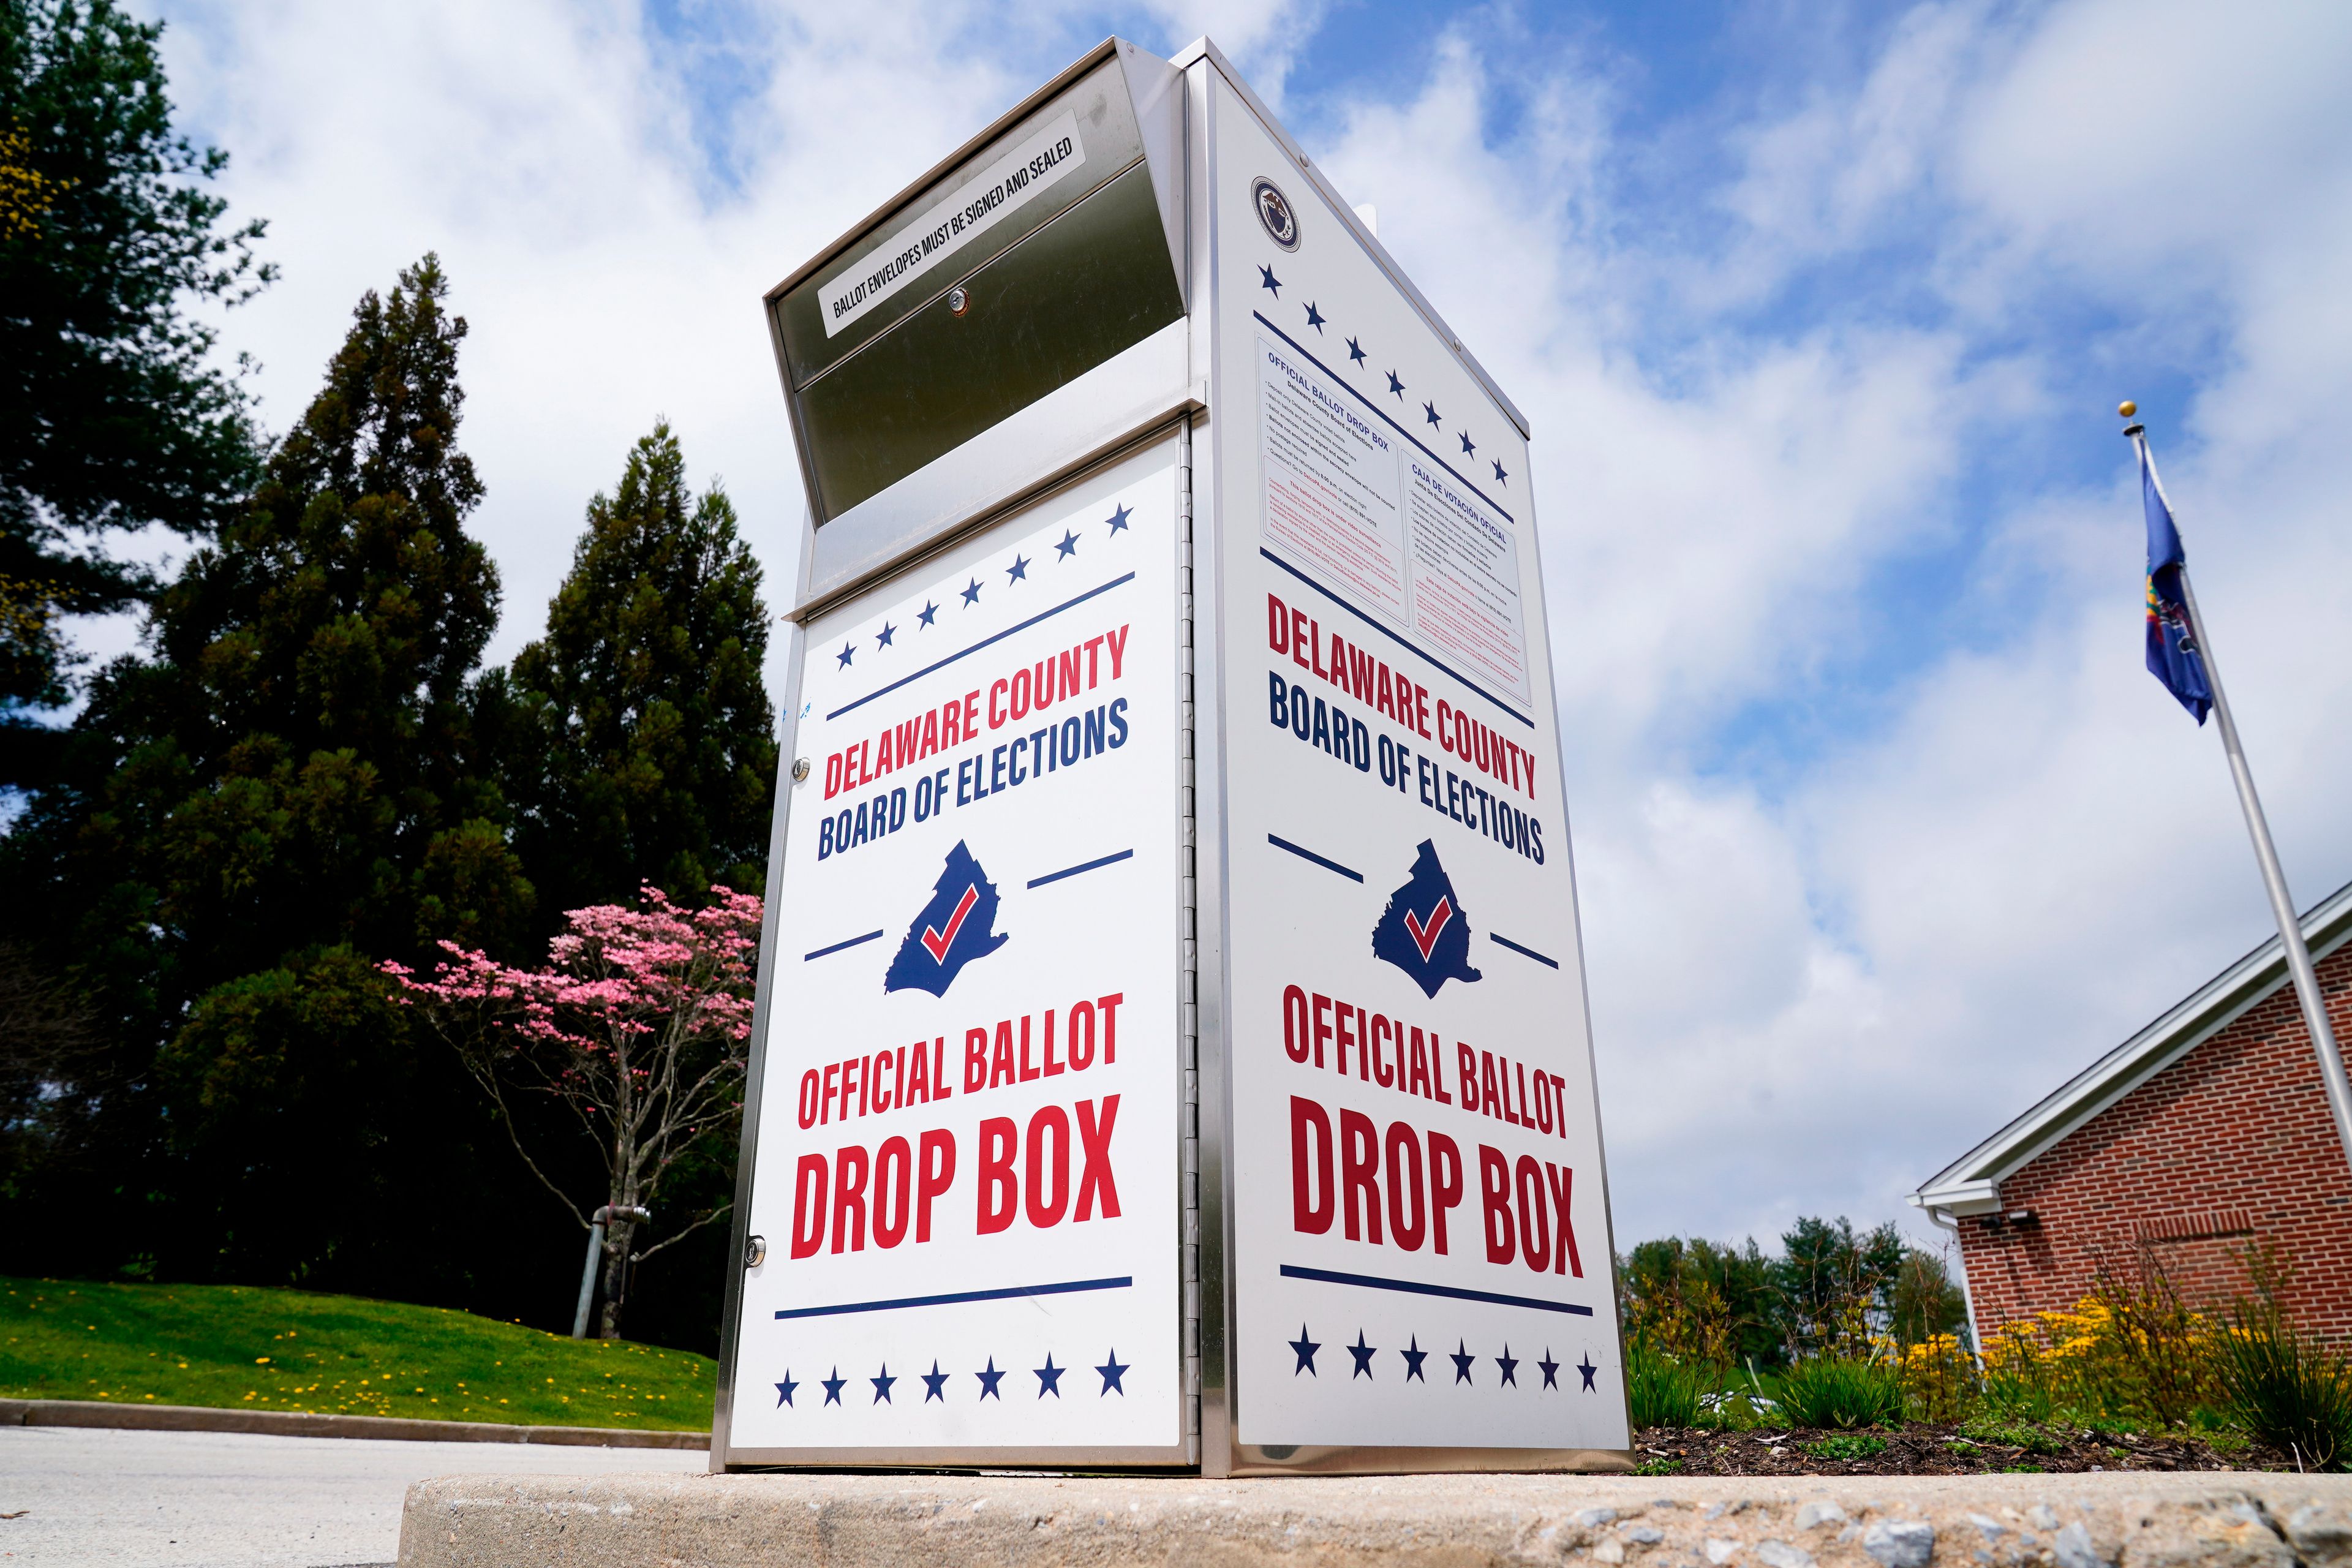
[1171,1046]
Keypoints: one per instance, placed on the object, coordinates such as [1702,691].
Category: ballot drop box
[1171,1048]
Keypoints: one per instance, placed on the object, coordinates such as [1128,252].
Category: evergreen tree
[640,739]
[1837,1284]
[1716,1302]
[285,792]
[112,416]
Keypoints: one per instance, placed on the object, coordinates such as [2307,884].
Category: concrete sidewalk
[215,1499]
[315,1424]
[2099,1521]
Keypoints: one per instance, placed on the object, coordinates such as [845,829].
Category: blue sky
[1820,313]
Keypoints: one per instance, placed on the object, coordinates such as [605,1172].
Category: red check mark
[939,943]
[1425,936]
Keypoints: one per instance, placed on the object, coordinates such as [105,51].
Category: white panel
[1000,903]
[1397,842]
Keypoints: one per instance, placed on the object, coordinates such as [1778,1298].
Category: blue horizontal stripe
[1074,871]
[837,946]
[1065,1287]
[1310,855]
[1525,951]
[1415,1287]
[967,653]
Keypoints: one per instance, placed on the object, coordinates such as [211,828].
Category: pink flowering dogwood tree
[638,1026]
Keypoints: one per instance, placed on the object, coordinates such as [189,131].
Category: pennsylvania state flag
[2172,654]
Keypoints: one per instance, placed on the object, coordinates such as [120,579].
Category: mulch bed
[1928,1450]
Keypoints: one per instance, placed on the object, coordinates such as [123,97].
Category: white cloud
[1814,986]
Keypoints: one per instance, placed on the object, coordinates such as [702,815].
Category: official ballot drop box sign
[1171,1046]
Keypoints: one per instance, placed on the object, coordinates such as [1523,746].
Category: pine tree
[112,416]
[640,739]
[285,791]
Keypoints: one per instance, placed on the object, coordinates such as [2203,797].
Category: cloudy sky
[1820,313]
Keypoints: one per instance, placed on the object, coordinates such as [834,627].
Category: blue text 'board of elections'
[1171,1049]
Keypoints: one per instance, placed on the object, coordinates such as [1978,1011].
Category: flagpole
[2298,954]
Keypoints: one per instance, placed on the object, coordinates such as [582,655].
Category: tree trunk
[616,1265]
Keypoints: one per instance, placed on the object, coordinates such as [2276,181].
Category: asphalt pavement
[230,1500]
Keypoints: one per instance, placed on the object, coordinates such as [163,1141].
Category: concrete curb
[2112,1519]
[302,1423]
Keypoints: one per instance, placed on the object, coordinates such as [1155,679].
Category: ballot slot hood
[1047,246]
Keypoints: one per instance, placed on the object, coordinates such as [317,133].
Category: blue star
[1588,1369]
[1019,571]
[972,594]
[1305,1349]
[1112,1370]
[1502,476]
[1068,547]
[784,1389]
[933,1382]
[988,1381]
[1396,385]
[1462,1361]
[848,652]
[1550,1369]
[1049,1379]
[1314,316]
[1363,1354]
[1431,409]
[1119,519]
[1413,1360]
[1269,281]
[1510,1366]
[928,610]
[882,1384]
[1469,448]
[884,639]
[1355,352]
[833,1386]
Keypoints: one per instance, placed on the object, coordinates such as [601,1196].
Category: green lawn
[245,1347]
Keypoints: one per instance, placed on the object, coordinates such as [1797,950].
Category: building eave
[1971,1183]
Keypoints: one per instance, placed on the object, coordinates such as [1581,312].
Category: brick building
[2206,1133]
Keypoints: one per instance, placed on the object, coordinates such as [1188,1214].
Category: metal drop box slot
[1047,247]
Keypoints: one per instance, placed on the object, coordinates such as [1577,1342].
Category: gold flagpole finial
[2126,408]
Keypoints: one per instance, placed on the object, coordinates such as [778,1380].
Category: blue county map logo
[957,926]
[1424,930]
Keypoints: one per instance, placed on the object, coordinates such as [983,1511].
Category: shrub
[2025,1435]
[2157,1345]
[2130,1350]
[1938,1376]
[2287,1391]
[1664,1390]
[2016,1388]
[1841,1391]
[1847,1445]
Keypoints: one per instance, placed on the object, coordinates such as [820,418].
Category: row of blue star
[1064,549]
[1305,1348]
[1316,319]
[935,1382]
